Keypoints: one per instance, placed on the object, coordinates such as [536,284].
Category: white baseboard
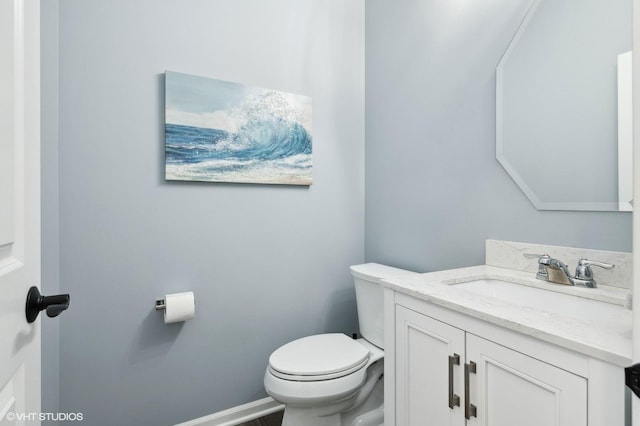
[237,415]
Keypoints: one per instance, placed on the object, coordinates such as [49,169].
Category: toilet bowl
[331,379]
[320,377]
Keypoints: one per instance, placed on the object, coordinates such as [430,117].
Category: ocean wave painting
[218,131]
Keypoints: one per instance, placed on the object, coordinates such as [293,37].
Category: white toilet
[331,379]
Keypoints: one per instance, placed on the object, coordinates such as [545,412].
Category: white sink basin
[541,299]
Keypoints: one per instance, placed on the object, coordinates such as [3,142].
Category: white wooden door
[423,348]
[19,209]
[510,388]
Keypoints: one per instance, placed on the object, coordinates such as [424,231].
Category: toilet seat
[319,357]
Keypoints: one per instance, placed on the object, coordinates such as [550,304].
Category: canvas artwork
[219,131]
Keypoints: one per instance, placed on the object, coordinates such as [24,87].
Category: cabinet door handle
[470,410]
[454,400]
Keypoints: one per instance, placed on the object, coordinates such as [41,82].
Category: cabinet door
[423,348]
[510,388]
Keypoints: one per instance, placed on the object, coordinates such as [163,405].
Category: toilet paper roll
[179,307]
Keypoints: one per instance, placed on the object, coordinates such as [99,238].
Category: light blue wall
[434,190]
[267,263]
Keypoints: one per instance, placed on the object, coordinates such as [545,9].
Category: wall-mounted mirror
[558,122]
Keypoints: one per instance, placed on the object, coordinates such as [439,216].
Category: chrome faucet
[555,271]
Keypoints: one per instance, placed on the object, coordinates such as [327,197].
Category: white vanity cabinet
[511,379]
[509,387]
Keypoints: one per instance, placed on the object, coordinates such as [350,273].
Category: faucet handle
[533,255]
[584,272]
[542,271]
[586,262]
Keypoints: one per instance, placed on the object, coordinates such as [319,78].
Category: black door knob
[37,302]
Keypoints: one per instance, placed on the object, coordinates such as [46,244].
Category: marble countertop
[607,337]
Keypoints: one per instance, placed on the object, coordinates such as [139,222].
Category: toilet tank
[370,298]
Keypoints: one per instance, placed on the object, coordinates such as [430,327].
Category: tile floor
[274,419]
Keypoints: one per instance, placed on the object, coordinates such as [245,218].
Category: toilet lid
[318,356]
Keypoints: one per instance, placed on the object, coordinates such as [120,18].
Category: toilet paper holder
[177,307]
[160,305]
